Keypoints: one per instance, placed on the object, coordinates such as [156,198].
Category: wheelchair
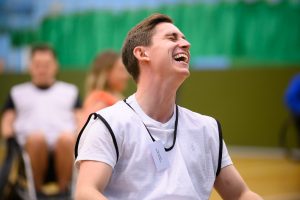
[16,177]
[289,139]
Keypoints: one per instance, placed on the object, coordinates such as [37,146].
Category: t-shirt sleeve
[96,144]
[226,160]
[9,104]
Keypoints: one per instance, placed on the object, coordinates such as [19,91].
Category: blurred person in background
[1,65]
[43,116]
[292,101]
[105,82]
[147,147]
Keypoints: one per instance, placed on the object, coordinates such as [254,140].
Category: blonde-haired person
[105,82]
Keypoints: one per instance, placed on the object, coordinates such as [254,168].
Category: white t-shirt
[193,160]
[49,111]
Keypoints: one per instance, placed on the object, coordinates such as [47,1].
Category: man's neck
[43,86]
[156,100]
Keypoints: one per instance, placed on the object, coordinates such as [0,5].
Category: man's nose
[184,44]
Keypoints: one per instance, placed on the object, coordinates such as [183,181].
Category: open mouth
[181,57]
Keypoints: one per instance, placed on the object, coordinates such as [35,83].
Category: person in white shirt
[42,115]
[147,147]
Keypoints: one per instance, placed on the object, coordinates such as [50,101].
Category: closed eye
[172,38]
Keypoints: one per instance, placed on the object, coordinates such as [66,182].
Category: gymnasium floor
[267,172]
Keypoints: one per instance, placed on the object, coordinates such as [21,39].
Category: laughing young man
[147,147]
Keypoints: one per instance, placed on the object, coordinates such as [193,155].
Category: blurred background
[244,53]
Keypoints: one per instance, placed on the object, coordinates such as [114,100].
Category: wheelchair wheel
[8,172]
[16,178]
[14,181]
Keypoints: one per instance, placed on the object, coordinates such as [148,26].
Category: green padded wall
[246,33]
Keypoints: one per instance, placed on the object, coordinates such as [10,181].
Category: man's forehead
[42,55]
[167,29]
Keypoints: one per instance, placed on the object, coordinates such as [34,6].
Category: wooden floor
[270,174]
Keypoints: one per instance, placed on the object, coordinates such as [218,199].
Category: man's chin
[184,71]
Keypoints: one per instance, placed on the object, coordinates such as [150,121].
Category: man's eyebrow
[174,34]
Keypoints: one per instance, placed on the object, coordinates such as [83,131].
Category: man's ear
[140,53]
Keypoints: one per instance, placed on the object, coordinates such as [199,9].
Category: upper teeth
[181,55]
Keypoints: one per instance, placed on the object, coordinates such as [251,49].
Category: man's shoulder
[22,86]
[117,112]
[113,109]
[195,116]
[66,89]
[67,85]
[193,120]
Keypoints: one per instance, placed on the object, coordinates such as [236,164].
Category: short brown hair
[141,34]
[42,47]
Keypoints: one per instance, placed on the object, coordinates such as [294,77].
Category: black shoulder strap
[220,148]
[96,115]
[111,133]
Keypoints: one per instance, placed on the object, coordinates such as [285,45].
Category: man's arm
[7,121]
[231,186]
[92,179]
